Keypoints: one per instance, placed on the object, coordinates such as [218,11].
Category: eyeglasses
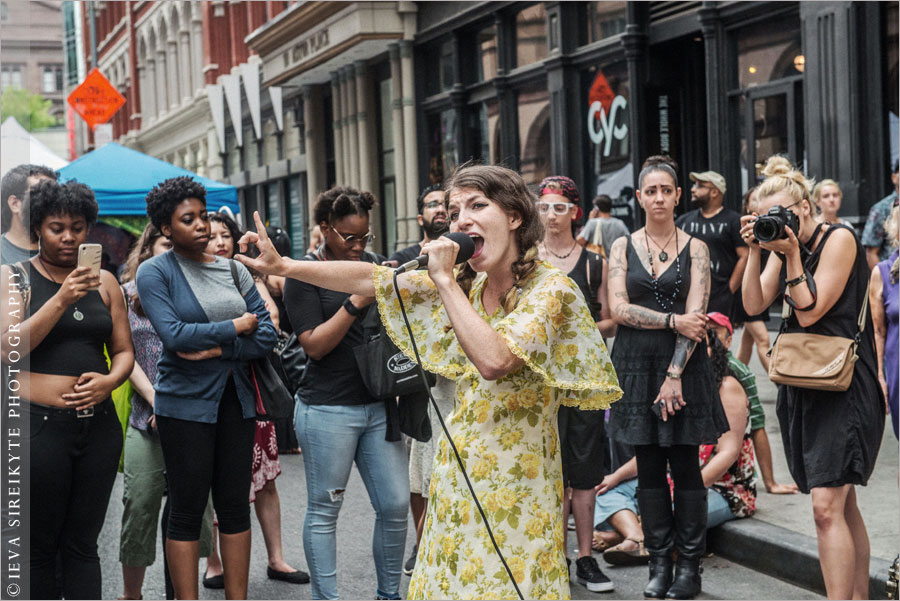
[560,208]
[433,204]
[351,240]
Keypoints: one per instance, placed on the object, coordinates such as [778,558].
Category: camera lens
[766,229]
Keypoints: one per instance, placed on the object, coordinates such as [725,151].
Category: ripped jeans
[332,438]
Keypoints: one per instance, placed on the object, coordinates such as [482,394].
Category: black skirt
[641,359]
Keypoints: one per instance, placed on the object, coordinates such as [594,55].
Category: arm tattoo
[631,315]
[700,261]
[684,348]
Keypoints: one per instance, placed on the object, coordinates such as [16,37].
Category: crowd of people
[644,448]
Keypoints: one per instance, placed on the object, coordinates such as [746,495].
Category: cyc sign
[608,128]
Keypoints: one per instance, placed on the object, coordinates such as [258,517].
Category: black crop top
[72,347]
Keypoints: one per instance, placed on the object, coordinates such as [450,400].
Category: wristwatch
[351,308]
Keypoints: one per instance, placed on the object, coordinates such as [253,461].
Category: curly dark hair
[15,183]
[420,201]
[50,198]
[718,357]
[168,194]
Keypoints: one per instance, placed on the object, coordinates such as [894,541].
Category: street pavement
[722,579]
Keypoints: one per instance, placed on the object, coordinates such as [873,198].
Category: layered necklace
[76,315]
[665,301]
[565,256]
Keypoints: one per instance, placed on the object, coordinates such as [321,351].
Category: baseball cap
[722,320]
[709,176]
[564,186]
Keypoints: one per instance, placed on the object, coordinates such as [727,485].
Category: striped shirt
[748,383]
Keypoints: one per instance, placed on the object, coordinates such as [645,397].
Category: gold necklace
[76,315]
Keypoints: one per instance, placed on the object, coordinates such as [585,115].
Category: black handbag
[290,361]
[272,394]
[385,370]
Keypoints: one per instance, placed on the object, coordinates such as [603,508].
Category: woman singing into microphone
[516,336]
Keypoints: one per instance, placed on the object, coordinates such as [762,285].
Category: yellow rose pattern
[506,433]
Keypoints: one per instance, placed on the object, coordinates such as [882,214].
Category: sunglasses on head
[560,208]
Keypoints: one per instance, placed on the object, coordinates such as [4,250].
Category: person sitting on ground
[602,229]
[763,450]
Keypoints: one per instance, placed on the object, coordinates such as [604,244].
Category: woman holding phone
[518,339]
[76,439]
[658,292]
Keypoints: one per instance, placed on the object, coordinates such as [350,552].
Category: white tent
[18,147]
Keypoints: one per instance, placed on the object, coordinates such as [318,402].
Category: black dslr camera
[770,226]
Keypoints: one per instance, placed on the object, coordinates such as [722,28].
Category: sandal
[618,556]
[603,540]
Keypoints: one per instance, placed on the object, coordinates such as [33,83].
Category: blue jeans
[332,438]
[717,509]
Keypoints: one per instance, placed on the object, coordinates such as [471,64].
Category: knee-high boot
[690,540]
[658,524]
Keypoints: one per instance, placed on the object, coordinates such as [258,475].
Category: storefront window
[486,50]
[531,35]
[484,131]
[605,96]
[295,188]
[603,20]
[534,133]
[442,151]
[273,204]
[769,51]
[440,68]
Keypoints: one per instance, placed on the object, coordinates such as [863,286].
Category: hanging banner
[277,110]
[231,84]
[250,76]
[217,110]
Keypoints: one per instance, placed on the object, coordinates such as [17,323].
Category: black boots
[656,518]
[690,540]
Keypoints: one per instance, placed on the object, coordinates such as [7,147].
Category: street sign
[96,100]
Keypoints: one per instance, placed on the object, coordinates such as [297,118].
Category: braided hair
[508,190]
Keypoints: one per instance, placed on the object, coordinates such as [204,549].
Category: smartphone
[90,255]
[656,408]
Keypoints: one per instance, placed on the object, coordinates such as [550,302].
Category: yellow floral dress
[506,433]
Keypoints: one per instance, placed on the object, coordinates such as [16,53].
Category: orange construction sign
[96,100]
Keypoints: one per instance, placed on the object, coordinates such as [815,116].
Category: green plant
[32,111]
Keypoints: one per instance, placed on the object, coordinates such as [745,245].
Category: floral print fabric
[505,431]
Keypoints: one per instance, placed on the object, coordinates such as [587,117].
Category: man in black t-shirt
[433,219]
[720,229]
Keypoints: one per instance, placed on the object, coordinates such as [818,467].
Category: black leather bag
[290,360]
[272,394]
[385,370]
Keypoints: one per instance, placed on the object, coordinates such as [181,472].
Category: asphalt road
[356,572]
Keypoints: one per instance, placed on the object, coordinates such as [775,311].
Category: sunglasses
[351,240]
[560,208]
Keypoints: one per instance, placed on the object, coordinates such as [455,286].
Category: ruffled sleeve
[438,347]
[552,330]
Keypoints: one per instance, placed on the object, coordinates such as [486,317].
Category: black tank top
[72,347]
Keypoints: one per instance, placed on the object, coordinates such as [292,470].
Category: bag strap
[235,277]
[24,282]
[597,238]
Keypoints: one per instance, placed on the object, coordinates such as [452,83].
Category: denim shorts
[623,496]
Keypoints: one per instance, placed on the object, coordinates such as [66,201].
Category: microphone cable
[450,440]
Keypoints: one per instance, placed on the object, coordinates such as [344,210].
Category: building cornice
[290,23]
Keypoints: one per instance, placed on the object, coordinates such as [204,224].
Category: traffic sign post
[96,100]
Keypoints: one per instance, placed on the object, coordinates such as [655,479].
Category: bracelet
[797,280]
[672,375]
[670,321]
[350,307]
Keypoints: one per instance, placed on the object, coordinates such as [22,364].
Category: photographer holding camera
[831,437]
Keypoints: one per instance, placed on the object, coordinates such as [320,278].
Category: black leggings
[682,459]
[200,457]
[73,469]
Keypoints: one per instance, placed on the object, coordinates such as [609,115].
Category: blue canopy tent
[121,177]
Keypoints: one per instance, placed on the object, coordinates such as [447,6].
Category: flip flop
[618,556]
[598,544]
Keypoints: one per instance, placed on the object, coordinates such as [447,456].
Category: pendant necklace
[667,302]
[663,255]
[76,315]
[565,256]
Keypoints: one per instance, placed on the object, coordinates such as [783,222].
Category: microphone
[466,250]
